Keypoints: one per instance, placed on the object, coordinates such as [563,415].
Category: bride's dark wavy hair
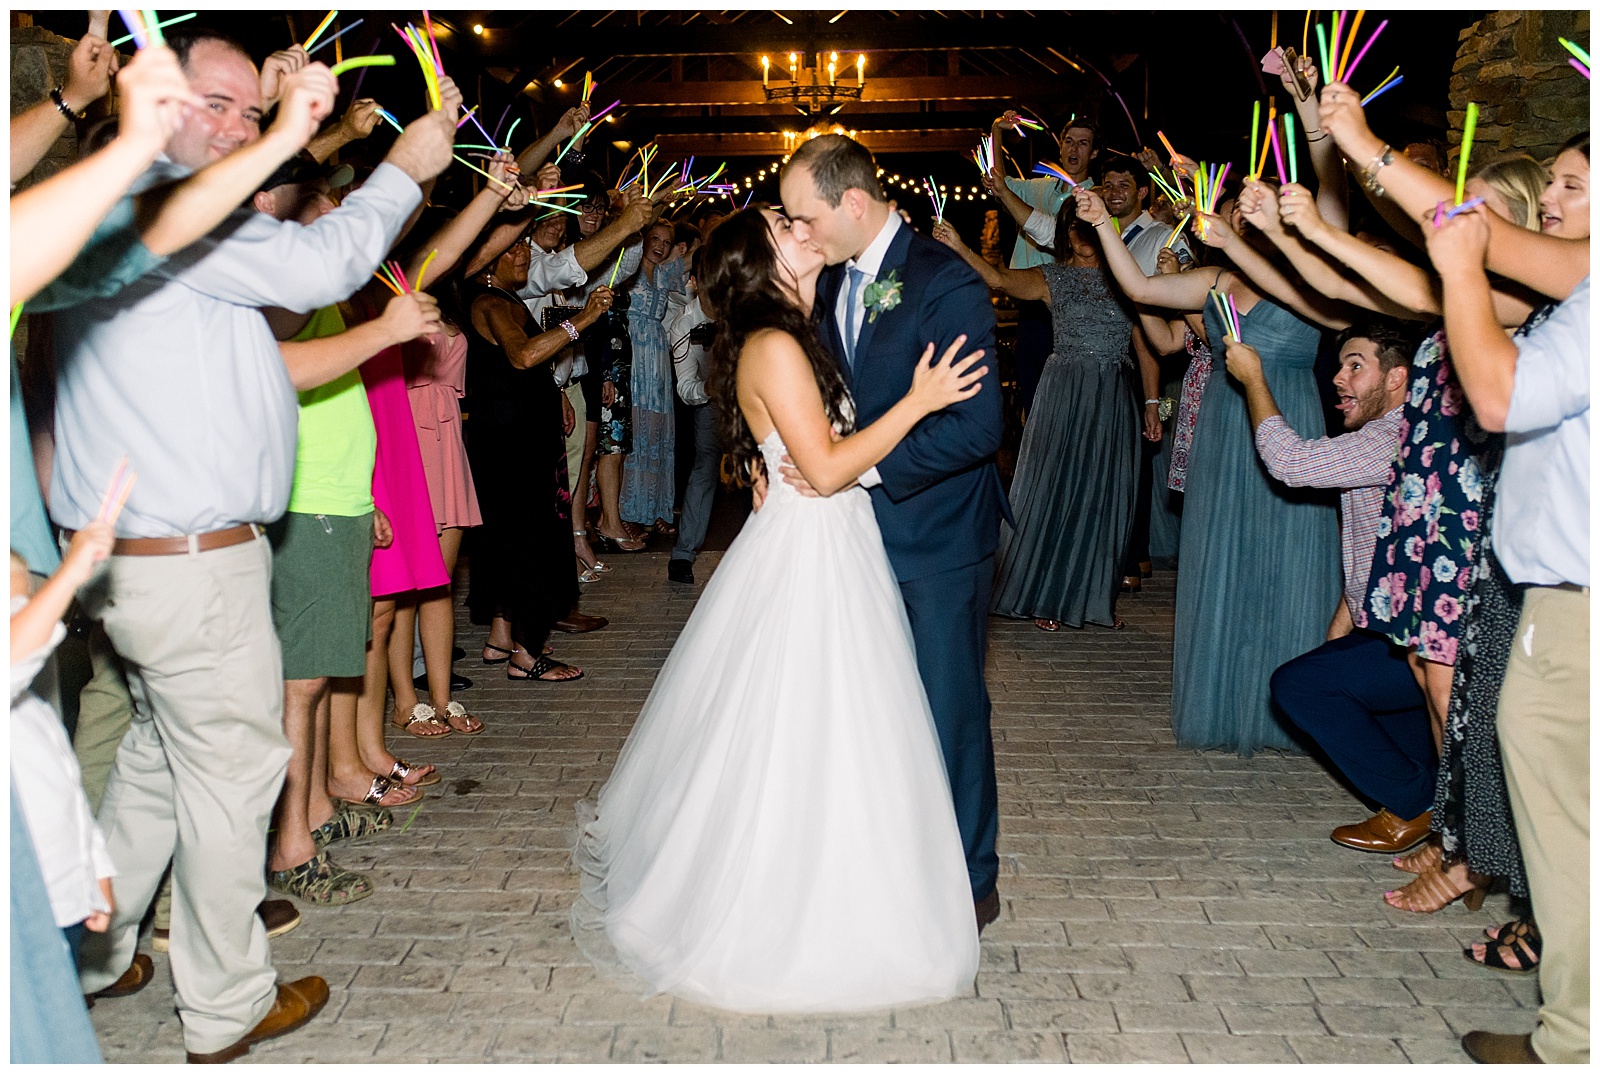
[740,284]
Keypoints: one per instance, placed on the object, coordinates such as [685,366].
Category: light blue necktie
[856,276]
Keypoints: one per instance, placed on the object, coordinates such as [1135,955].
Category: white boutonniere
[882,295]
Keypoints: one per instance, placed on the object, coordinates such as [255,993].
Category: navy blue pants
[949,615]
[1359,700]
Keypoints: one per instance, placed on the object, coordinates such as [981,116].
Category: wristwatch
[1369,174]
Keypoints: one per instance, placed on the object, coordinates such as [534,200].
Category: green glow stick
[16,315]
[361,61]
[1288,137]
[1467,131]
[1582,54]
[158,26]
[1322,50]
[1255,127]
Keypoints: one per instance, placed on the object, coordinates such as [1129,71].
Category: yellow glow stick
[423,271]
[321,26]
[360,61]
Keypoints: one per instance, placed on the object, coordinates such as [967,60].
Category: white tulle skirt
[778,833]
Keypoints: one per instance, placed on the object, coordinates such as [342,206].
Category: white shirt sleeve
[871,479]
[1041,228]
[553,271]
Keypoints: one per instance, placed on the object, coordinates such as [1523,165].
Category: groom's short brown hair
[837,164]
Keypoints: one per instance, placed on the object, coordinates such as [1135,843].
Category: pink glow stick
[1277,153]
[1350,71]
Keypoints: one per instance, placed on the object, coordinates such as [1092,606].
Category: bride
[778,833]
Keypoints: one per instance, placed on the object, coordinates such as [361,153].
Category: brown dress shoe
[298,1002]
[1383,833]
[1486,1047]
[987,909]
[578,623]
[138,975]
[279,916]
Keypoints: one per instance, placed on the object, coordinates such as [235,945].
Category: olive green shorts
[322,593]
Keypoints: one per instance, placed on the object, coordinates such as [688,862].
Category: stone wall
[1529,100]
[38,62]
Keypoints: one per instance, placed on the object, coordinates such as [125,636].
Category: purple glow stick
[604,110]
[1463,207]
[356,93]
[474,117]
[1351,70]
[501,123]
[1582,70]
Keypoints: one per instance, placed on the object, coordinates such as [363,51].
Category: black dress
[522,555]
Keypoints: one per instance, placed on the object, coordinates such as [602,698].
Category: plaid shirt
[1359,463]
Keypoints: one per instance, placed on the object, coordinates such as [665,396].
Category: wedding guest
[648,476]
[1537,390]
[1073,493]
[118,362]
[1078,146]
[690,326]
[1187,334]
[1243,533]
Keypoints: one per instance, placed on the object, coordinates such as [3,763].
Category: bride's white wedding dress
[778,833]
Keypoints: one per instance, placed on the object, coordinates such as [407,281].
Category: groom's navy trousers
[939,504]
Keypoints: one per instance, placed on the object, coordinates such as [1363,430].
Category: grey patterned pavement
[1158,905]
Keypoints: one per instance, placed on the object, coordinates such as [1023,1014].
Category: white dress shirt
[1144,237]
[868,264]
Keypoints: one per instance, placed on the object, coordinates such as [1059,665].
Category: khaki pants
[104,712]
[1544,739]
[574,393]
[195,777]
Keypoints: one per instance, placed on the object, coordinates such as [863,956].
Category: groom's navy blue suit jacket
[940,503]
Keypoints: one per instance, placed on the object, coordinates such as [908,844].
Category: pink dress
[399,486]
[436,382]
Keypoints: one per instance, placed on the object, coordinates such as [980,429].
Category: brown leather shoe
[578,623]
[1383,833]
[987,909]
[298,1002]
[1486,1047]
[138,975]
[279,916]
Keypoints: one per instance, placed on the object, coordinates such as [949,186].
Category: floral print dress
[1432,533]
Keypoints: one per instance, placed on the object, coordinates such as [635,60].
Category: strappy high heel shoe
[625,546]
[1433,890]
[593,569]
[1424,859]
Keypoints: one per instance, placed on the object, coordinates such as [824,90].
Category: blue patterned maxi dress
[647,477]
[1258,566]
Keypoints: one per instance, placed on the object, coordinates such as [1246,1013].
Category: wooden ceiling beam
[677,146]
[931,88]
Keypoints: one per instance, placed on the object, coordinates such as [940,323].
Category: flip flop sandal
[352,822]
[456,711]
[501,660]
[382,787]
[424,714]
[402,769]
[541,667]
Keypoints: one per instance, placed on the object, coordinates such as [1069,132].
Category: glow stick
[1054,172]
[111,489]
[16,315]
[1582,70]
[1322,52]
[1582,55]
[438,60]
[388,283]
[423,271]
[1381,90]
[1467,131]
[1350,41]
[153,27]
[1470,203]
[123,40]
[1176,232]
[361,61]
[477,124]
[1288,136]
[615,269]
[512,131]
[1272,117]
[399,273]
[116,508]
[321,26]
[1222,179]
[554,208]
[1222,311]
[1233,317]
[1305,31]
[468,115]
[1350,72]
[324,44]
[1333,44]
[596,117]
[377,43]
[570,143]
[1021,122]
[588,85]
[1255,127]
[1168,144]
[483,173]
[389,118]
[132,19]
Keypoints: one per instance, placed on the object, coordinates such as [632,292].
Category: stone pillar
[38,62]
[1529,100]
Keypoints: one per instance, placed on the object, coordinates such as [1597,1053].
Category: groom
[886,294]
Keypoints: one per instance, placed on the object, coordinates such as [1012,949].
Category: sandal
[1049,625]
[509,654]
[1514,947]
[1432,891]
[423,715]
[382,787]
[591,565]
[321,882]
[541,667]
[617,546]
[590,574]
[1425,858]
[456,711]
[665,528]
[402,769]
[352,822]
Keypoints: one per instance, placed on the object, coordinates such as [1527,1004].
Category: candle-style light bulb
[792,67]
[766,70]
[861,69]
[831,64]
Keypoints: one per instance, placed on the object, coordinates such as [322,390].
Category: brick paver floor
[1159,905]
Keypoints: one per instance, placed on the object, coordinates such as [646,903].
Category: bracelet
[64,108]
[1369,174]
[571,330]
[1152,402]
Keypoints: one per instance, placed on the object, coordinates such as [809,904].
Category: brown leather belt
[182,546]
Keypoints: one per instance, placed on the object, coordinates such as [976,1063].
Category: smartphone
[1291,61]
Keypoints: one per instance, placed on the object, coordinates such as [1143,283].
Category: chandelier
[816,96]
